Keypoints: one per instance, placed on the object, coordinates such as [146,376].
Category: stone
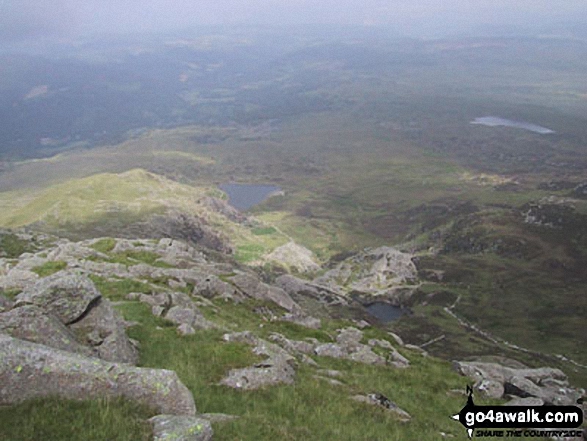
[185,330]
[365,355]
[302,320]
[255,289]
[29,370]
[157,311]
[398,360]
[181,428]
[381,343]
[491,388]
[396,337]
[188,316]
[64,294]
[349,338]
[380,400]
[211,287]
[31,323]
[161,299]
[263,374]
[521,387]
[18,279]
[277,368]
[292,346]
[133,295]
[5,303]
[104,328]
[330,350]
[530,401]
[294,256]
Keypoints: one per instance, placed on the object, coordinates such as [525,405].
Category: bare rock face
[31,323]
[180,428]
[374,271]
[29,370]
[64,294]
[294,256]
[104,329]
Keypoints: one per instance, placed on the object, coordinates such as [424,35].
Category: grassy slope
[310,409]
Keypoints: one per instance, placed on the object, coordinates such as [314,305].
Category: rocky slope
[61,332]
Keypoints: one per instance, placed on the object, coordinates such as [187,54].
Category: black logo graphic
[517,417]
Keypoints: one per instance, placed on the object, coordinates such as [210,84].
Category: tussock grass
[63,420]
[49,268]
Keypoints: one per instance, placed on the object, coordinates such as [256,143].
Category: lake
[384,311]
[494,121]
[245,196]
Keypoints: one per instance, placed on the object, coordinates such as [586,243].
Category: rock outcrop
[66,295]
[278,367]
[29,370]
[180,428]
[548,385]
[295,256]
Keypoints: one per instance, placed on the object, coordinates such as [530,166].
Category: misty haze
[298,221]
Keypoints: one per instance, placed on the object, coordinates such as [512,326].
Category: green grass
[10,293]
[311,408]
[104,245]
[263,231]
[132,257]
[49,268]
[62,420]
[12,246]
[117,290]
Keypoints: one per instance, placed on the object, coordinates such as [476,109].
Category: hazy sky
[20,19]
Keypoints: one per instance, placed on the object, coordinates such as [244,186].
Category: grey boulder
[29,370]
[103,328]
[180,428]
[31,323]
[64,294]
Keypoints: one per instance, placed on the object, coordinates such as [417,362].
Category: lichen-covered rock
[64,294]
[29,370]
[278,367]
[104,328]
[31,323]
[18,279]
[180,428]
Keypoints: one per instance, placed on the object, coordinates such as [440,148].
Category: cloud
[32,18]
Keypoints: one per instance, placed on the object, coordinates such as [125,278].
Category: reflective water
[384,311]
[245,196]
[494,121]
